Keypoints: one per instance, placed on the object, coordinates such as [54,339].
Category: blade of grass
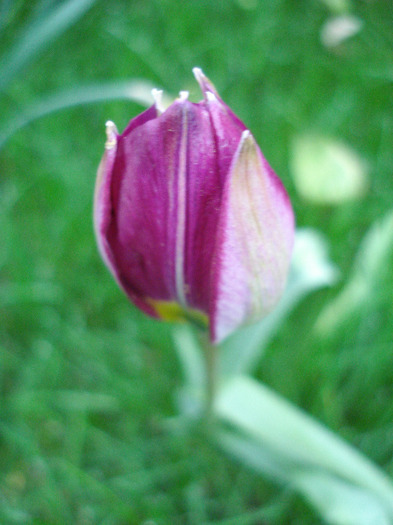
[74,478]
[39,34]
[20,438]
[138,91]
[5,9]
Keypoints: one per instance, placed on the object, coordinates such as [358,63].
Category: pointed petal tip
[198,74]
[110,127]
[205,84]
[247,144]
[157,96]
[247,137]
[183,96]
[111,134]
[211,97]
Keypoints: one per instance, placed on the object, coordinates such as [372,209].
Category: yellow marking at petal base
[172,311]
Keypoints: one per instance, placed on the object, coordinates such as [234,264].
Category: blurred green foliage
[88,429]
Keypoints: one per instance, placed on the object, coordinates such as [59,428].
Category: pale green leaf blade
[268,418]
[372,264]
[341,503]
[338,502]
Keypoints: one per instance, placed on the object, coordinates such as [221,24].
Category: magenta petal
[227,127]
[203,190]
[102,196]
[254,242]
[164,187]
[103,205]
[145,199]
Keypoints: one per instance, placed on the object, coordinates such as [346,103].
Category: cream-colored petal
[254,242]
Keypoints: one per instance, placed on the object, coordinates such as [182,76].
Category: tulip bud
[189,216]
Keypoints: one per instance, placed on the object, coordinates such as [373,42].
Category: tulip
[190,218]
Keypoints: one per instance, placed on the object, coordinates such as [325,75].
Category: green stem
[211,358]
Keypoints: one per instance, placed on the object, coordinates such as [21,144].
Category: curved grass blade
[137,91]
[38,35]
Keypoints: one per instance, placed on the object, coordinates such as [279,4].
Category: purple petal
[103,202]
[165,202]
[227,127]
[102,196]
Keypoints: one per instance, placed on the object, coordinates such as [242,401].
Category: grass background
[87,382]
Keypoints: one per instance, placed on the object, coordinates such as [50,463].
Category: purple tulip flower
[189,216]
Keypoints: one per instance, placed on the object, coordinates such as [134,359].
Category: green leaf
[298,440]
[341,503]
[372,264]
